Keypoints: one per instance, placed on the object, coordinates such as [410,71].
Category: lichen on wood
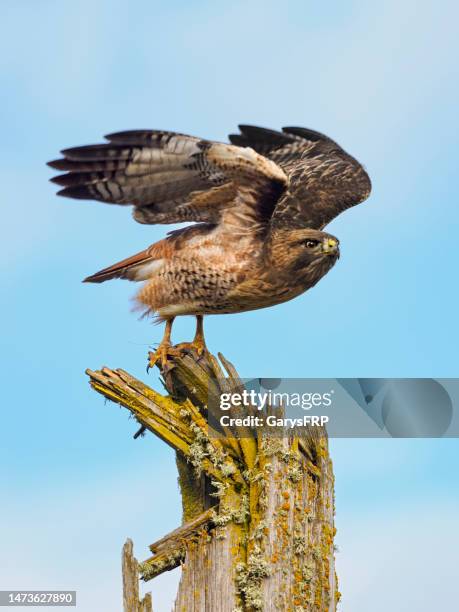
[258,511]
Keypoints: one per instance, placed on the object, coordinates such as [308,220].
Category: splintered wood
[258,526]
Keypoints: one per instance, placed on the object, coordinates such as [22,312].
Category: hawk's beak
[330,246]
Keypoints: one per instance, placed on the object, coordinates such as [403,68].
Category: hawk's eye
[310,244]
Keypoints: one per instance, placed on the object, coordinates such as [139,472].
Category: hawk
[258,207]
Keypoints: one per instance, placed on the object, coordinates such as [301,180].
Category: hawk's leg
[166,350]
[163,349]
[198,344]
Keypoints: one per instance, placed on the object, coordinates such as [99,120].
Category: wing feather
[171,177]
[324,180]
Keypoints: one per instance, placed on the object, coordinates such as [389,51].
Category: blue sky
[381,79]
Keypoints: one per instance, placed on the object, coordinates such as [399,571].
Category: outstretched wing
[324,180]
[171,177]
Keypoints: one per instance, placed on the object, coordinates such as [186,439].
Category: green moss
[191,493]
[220,489]
[225,515]
[299,544]
[150,569]
[249,577]
[295,473]
[199,449]
[241,514]
[259,532]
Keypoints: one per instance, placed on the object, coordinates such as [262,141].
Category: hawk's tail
[139,267]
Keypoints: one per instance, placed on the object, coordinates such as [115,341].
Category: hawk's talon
[165,349]
[163,354]
[195,347]
[160,355]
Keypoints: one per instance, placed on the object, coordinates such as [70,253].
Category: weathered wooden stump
[258,527]
[130,566]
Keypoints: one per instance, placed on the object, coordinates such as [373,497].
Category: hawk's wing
[323,179]
[171,177]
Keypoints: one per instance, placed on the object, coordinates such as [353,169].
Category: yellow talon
[160,355]
[165,350]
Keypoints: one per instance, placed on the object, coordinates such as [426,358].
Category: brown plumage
[259,206]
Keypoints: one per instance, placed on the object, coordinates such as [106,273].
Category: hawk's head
[304,253]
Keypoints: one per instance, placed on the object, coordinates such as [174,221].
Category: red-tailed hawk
[259,206]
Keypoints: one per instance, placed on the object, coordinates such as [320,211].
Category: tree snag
[258,526]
